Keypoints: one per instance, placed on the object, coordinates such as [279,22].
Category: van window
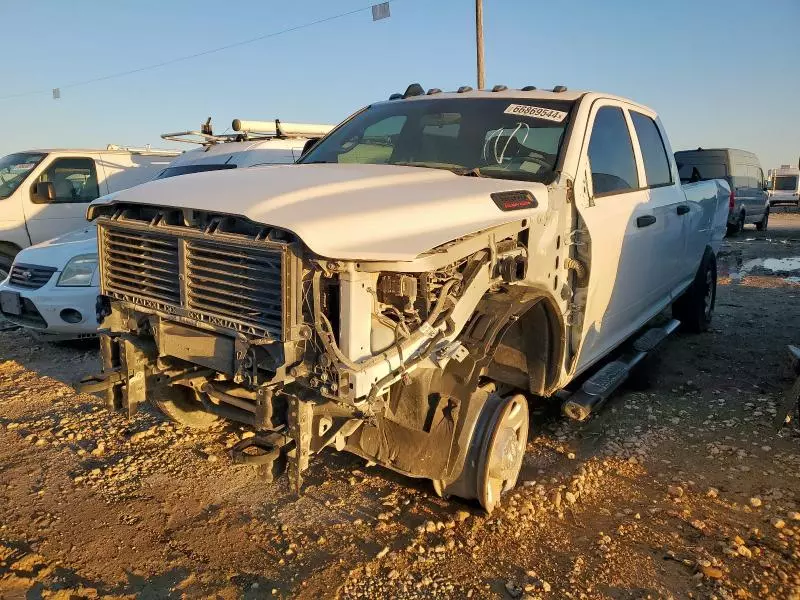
[785,183]
[690,172]
[611,153]
[654,154]
[74,180]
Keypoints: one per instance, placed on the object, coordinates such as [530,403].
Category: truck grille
[31,277]
[238,283]
[223,284]
[142,264]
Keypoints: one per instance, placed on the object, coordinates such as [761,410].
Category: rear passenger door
[668,203]
[621,225]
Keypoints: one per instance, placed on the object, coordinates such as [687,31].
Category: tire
[496,450]
[695,308]
[762,224]
[182,405]
[737,227]
[6,260]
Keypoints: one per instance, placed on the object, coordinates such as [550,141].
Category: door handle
[682,209]
[645,220]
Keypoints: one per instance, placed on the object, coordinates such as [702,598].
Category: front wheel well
[9,248]
[526,343]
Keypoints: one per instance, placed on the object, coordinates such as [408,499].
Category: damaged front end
[212,316]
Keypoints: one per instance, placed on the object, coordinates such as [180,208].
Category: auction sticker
[537,112]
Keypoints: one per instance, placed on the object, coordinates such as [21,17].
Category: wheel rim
[503,452]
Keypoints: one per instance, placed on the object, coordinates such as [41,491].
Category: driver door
[75,182]
[622,226]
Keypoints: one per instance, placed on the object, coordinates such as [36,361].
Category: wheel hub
[503,451]
[505,455]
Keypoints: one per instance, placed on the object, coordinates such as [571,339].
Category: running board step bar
[599,387]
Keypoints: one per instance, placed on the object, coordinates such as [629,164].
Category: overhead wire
[178,59]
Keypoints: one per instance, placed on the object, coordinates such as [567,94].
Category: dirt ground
[687,489]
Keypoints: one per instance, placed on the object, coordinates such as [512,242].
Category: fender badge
[514,200]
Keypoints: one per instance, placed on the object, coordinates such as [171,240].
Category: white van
[52,286]
[785,187]
[44,193]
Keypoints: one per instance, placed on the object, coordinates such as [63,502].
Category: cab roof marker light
[464,89]
[500,88]
[528,88]
[560,88]
[433,91]
[414,89]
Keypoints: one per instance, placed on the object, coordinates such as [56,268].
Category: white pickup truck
[432,262]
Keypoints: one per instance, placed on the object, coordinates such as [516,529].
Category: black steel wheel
[764,222]
[695,308]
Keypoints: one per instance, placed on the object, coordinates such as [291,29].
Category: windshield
[488,137]
[187,169]
[14,168]
[785,183]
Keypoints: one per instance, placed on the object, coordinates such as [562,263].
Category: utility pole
[479,40]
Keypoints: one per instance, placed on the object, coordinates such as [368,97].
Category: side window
[376,143]
[611,153]
[74,180]
[654,154]
[752,177]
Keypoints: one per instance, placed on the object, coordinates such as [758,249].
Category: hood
[58,251]
[347,211]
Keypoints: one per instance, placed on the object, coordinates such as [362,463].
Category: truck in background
[45,193]
[784,186]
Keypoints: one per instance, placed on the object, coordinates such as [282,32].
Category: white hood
[58,251]
[347,211]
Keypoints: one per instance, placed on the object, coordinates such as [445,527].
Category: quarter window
[611,153]
[74,180]
[654,154]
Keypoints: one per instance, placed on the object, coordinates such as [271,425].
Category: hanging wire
[178,59]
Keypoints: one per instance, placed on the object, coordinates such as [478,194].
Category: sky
[721,73]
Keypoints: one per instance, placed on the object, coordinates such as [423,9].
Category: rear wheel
[762,224]
[738,226]
[695,308]
[182,404]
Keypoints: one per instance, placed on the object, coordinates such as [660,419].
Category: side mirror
[43,192]
[308,145]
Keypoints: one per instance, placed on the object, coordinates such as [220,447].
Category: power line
[192,56]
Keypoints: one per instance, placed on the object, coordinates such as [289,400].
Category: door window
[654,154]
[74,180]
[611,153]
